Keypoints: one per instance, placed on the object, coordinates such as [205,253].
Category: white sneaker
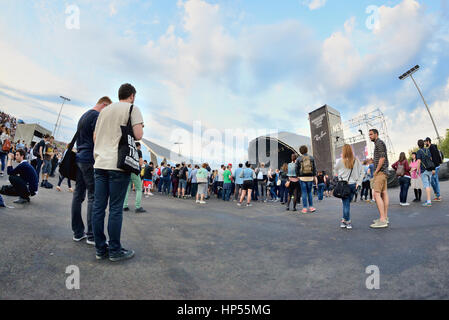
[401,204]
[406,204]
[202,202]
[197,201]
[151,194]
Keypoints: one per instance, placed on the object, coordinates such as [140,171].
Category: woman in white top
[349,169]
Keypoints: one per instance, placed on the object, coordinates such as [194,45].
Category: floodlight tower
[64,99]
[410,73]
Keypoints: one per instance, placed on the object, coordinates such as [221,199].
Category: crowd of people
[9,122]
[100,176]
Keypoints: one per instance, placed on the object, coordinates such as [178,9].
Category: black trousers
[20,186]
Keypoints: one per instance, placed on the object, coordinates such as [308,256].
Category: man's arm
[379,166]
[138,131]
[10,170]
[41,149]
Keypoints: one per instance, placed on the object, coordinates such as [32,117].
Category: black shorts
[248,185]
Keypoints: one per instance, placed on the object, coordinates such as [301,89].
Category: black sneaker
[21,201]
[102,256]
[78,239]
[126,209]
[140,210]
[123,255]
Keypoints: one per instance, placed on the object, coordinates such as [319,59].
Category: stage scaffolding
[358,130]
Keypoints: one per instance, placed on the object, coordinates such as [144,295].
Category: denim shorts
[426,177]
[46,168]
[182,184]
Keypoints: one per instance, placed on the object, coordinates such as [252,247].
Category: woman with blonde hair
[349,169]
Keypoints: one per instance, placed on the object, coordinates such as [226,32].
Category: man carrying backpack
[182,185]
[166,173]
[437,161]
[306,171]
[427,168]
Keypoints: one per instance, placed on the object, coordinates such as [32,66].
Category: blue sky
[230,64]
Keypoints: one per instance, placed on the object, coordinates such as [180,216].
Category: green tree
[444,146]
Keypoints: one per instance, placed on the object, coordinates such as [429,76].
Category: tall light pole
[179,146]
[410,73]
[64,99]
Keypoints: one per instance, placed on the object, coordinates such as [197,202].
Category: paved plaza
[221,251]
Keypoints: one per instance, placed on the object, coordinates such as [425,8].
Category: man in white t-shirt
[111,183]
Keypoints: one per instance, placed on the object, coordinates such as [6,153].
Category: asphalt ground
[220,251]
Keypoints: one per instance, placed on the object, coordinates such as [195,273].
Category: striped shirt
[380,151]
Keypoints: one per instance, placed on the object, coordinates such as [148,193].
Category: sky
[228,65]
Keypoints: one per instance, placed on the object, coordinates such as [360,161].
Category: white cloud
[315,4]
[214,74]
[112,9]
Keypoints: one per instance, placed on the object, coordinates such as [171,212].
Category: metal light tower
[179,146]
[410,73]
[64,99]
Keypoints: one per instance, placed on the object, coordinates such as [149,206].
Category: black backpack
[36,150]
[427,162]
[182,173]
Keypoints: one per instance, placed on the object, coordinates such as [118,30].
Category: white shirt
[220,175]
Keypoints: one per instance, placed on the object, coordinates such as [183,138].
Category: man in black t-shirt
[437,161]
[148,179]
[85,182]
[183,175]
[39,151]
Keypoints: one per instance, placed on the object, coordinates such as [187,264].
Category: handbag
[68,167]
[342,189]
[128,157]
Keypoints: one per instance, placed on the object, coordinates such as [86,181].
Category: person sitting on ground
[23,178]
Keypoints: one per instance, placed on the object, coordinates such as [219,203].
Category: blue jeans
[227,191]
[110,186]
[426,177]
[435,182]
[85,182]
[39,166]
[405,185]
[347,204]
[166,185]
[283,193]
[159,186]
[321,191]
[3,159]
[307,197]
[273,193]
